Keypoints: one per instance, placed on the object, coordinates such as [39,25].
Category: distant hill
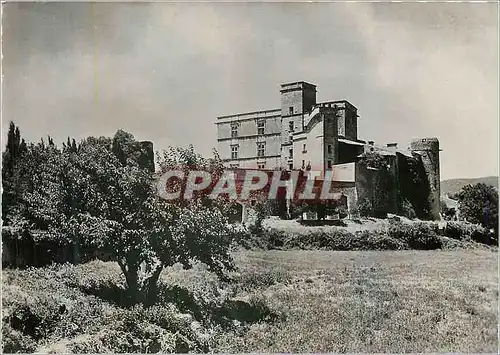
[453,186]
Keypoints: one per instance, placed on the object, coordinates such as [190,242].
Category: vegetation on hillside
[451,187]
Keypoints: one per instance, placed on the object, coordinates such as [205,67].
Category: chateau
[304,134]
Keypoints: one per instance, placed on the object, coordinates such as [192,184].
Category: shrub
[15,341]
[196,292]
[420,235]
[46,305]
[34,316]
[157,329]
[335,239]
[464,231]
[262,209]
[378,240]
[39,306]
[255,310]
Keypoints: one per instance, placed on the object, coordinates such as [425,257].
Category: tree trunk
[152,287]
[133,290]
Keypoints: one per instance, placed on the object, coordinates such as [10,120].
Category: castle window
[303,164]
[291,127]
[234,166]
[261,127]
[261,165]
[261,149]
[234,130]
[290,166]
[304,148]
[290,110]
[329,164]
[234,152]
[290,153]
[329,147]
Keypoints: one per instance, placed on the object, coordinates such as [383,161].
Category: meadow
[385,301]
[296,301]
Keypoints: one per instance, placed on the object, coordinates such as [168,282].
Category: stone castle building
[304,134]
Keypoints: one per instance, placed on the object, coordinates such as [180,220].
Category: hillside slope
[453,186]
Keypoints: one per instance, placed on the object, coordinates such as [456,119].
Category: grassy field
[415,301]
[384,301]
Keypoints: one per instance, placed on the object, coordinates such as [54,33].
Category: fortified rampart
[428,150]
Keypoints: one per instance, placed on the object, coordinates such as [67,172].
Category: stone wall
[428,150]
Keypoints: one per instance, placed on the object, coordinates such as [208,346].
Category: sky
[165,71]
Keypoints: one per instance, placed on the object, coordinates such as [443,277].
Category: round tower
[428,149]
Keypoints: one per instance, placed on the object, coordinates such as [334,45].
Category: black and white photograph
[249,177]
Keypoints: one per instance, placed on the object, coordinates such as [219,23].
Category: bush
[156,329]
[468,232]
[38,306]
[15,341]
[35,313]
[249,238]
[335,239]
[261,210]
[419,236]
[375,240]
[46,306]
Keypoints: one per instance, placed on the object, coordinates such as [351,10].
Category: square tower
[297,100]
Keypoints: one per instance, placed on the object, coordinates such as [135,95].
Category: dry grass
[406,301]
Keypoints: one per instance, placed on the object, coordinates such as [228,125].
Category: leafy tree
[187,160]
[123,147]
[15,150]
[41,206]
[97,194]
[479,204]
[122,213]
[70,146]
